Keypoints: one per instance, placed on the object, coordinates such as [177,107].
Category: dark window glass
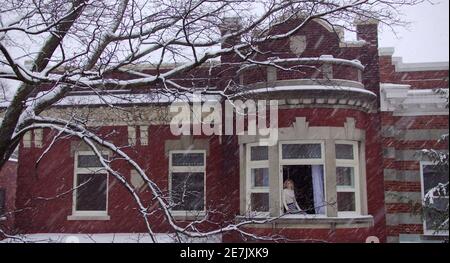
[344,151]
[85,161]
[188,191]
[259,153]
[432,176]
[91,194]
[346,201]
[436,211]
[187,159]
[260,177]
[301,151]
[2,201]
[260,202]
[345,176]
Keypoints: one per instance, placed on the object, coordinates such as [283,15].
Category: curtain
[318,189]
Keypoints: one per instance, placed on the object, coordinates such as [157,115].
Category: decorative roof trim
[400,66]
[404,101]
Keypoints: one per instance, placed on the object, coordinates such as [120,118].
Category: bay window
[347,178]
[309,174]
[302,165]
[258,179]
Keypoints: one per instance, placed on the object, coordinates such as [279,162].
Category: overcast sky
[426,38]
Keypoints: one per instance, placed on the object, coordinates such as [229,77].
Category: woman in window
[289,201]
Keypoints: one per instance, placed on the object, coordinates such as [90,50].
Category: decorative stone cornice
[291,95]
[404,101]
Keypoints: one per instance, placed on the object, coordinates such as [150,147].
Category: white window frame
[356,187]
[249,180]
[316,161]
[87,170]
[188,169]
[422,187]
[4,201]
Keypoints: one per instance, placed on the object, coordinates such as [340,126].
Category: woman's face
[290,185]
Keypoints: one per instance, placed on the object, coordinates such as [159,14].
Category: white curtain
[317,180]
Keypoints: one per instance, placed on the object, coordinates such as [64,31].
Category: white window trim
[249,189]
[430,232]
[192,169]
[79,214]
[356,187]
[317,161]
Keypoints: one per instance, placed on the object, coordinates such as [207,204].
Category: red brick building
[414,117]
[350,118]
[8,177]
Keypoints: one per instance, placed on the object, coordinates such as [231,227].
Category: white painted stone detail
[27,140]
[143,130]
[38,134]
[404,101]
[131,135]
[136,180]
[297,44]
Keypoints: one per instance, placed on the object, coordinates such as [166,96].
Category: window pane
[85,161]
[260,202]
[187,159]
[436,210]
[436,214]
[188,191]
[301,151]
[259,153]
[260,177]
[345,176]
[344,151]
[346,201]
[2,201]
[91,194]
[433,175]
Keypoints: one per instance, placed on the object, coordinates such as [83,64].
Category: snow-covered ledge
[404,101]
[401,66]
[314,221]
[89,217]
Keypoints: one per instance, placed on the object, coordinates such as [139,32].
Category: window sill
[435,236]
[313,221]
[188,216]
[422,238]
[88,218]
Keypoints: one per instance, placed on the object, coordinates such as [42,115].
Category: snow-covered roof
[130,98]
[322,59]
[306,87]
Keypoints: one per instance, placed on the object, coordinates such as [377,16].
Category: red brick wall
[8,175]
[417,79]
[55,175]
[319,41]
[431,79]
